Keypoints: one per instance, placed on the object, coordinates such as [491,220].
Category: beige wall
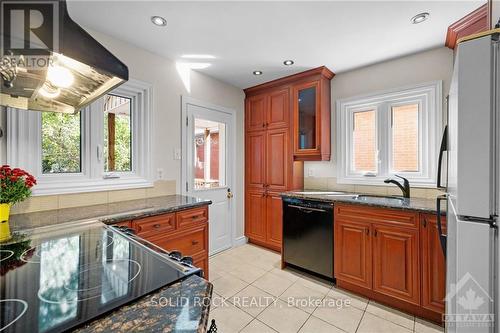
[167,89]
[435,64]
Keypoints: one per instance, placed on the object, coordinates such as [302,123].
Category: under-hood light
[60,76]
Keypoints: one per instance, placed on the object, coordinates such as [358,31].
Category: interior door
[209,141]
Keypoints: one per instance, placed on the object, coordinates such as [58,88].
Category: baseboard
[240,241]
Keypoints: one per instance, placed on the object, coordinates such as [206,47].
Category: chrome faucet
[405,188]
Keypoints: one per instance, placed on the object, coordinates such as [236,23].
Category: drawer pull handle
[194,217]
[156,226]
[194,242]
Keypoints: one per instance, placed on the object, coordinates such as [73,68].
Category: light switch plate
[177,154]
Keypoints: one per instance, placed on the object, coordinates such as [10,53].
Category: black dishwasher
[308,235]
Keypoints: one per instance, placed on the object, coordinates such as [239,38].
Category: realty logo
[29,27]
[472,304]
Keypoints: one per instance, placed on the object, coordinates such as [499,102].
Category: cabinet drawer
[152,226]
[189,244]
[388,216]
[192,217]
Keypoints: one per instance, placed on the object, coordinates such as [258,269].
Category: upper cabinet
[472,23]
[300,102]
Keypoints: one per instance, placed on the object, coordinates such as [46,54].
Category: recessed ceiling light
[198,56]
[419,18]
[288,62]
[159,21]
[257,72]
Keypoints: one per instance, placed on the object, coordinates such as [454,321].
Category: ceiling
[248,36]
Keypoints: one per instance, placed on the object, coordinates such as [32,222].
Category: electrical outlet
[310,173]
[159,173]
[177,154]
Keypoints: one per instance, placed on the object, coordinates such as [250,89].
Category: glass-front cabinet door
[307,119]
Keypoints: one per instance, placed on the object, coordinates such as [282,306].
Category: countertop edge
[350,201]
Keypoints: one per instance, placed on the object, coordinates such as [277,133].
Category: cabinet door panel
[353,262]
[255,215]
[279,110]
[255,162]
[433,264]
[277,159]
[255,113]
[274,219]
[396,262]
[307,119]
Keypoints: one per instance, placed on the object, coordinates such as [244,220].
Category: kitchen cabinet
[184,230]
[433,264]
[271,166]
[391,256]
[352,248]
[395,262]
[255,215]
[311,109]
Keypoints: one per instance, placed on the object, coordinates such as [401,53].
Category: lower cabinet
[395,262]
[391,256]
[433,264]
[263,218]
[185,231]
[352,249]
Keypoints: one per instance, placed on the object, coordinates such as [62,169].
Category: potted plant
[15,186]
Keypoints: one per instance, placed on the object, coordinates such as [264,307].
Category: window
[61,143]
[104,146]
[392,132]
[210,140]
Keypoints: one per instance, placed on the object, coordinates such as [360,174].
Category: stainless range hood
[72,72]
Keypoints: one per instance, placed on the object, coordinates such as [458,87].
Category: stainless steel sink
[379,199]
[321,193]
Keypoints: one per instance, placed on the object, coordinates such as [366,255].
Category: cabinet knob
[194,242]
[425,223]
[367,231]
[156,226]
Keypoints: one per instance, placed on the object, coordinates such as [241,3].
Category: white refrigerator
[472,188]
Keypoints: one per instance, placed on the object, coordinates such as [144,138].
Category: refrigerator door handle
[442,236]
[442,149]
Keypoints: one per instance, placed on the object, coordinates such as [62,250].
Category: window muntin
[61,143]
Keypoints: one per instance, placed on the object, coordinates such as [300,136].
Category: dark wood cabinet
[271,166]
[352,248]
[274,219]
[255,159]
[278,115]
[255,215]
[185,230]
[277,159]
[255,119]
[433,264]
[391,256]
[396,270]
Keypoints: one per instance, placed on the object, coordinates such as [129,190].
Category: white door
[208,162]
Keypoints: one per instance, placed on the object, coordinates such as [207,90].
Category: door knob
[229,193]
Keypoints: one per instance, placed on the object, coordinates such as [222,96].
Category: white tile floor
[253,295]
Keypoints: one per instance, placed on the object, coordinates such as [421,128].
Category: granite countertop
[181,307]
[415,204]
[107,213]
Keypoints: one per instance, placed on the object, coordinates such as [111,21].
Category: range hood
[77,70]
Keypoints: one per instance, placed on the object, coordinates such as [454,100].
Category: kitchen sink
[321,193]
[379,199]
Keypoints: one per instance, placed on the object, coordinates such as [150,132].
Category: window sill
[55,188]
[377,181]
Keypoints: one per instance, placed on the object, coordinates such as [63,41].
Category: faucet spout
[405,187]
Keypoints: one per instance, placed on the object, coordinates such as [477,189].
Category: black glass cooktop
[54,280]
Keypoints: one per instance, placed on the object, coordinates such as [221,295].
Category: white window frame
[428,96]
[24,139]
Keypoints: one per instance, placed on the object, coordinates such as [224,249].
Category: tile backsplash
[49,202]
[330,184]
